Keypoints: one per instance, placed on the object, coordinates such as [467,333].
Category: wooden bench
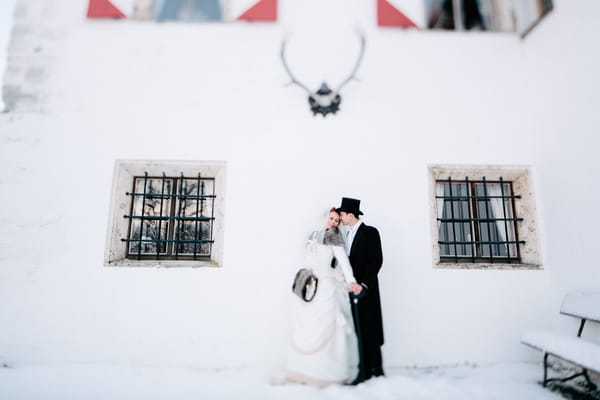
[583,354]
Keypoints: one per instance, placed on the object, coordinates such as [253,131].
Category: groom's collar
[355,227]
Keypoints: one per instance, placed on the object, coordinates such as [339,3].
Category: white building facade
[88,97]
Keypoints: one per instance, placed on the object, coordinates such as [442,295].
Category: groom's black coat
[366,258]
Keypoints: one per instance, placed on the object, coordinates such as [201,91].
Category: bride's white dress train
[323,345]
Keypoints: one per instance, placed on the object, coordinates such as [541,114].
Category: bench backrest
[582,305]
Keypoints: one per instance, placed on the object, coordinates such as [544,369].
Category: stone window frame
[525,207]
[115,254]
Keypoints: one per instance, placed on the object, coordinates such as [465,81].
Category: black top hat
[351,206]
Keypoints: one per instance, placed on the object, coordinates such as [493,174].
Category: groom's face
[345,217]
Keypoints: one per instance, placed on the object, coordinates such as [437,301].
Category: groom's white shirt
[350,236]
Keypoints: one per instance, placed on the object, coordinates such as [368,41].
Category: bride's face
[333,220]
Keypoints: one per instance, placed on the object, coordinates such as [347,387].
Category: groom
[363,247]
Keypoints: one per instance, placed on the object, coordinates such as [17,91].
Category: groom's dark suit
[366,258]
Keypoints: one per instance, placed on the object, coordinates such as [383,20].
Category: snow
[508,381]
[584,304]
[570,348]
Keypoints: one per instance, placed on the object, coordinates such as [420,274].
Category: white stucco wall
[90,92]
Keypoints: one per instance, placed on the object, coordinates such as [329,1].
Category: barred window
[166,214]
[477,221]
[483,217]
[171,217]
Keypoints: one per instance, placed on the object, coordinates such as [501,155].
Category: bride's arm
[344,263]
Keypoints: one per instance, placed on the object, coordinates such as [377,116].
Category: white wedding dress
[323,346]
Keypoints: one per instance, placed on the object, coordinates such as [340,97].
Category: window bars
[477,221]
[170,218]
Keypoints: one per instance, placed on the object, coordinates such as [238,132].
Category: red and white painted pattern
[253,10]
[401,13]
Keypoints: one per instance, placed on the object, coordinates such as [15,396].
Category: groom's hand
[355,288]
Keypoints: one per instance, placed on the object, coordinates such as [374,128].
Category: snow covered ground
[509,381]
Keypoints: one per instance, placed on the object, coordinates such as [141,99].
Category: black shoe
[359,379]
[377,372]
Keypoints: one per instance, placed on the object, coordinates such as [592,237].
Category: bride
[323,347]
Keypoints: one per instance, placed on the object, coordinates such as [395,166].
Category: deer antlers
[324,100]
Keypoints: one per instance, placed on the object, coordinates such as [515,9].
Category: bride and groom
[337,340]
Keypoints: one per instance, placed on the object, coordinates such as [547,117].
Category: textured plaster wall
[83,94]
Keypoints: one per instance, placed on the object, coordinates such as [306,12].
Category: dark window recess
[188,10]
[171,218]
[477,221]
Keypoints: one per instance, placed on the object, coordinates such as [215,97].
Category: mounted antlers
[324,100]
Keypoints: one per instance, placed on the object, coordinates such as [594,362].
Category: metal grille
[477,221]
[170,218]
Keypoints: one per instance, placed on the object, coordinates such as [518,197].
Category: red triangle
[388,15]
[103,9]
[264,10]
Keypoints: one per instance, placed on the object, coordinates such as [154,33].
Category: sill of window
[488,266]
[163,264]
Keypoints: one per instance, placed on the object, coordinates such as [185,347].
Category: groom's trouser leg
[361,341]
[372,352]
[375,362]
